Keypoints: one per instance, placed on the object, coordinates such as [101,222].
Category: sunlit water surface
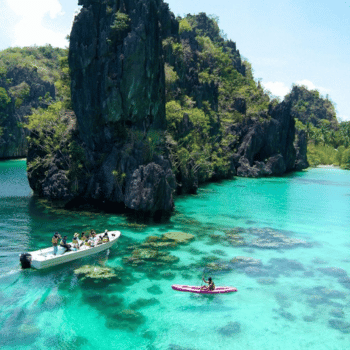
[292,294]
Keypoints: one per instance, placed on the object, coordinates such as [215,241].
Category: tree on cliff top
[310,107]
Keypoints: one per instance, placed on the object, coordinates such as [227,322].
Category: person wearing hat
[54,241]
[75,241]
[64,244]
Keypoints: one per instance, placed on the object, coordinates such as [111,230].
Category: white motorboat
[44,258]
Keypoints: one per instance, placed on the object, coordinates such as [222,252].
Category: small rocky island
[157,105]
[121,58]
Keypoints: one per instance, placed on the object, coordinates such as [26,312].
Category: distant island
[143,106]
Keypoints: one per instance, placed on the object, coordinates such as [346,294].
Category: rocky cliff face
[26,90]
[265,146]
[122,154]
[118,95]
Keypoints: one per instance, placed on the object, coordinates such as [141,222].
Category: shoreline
[331,166]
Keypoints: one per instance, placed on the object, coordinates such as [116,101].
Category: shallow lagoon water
[292,294]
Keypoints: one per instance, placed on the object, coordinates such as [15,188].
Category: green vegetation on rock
[120,26]
[328,140]
[27,82]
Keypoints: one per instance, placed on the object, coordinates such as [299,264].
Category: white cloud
[29,29]
[280,89]
[311,86]
[343,118]
[277,88]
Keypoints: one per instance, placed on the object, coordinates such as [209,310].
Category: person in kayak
[211,284]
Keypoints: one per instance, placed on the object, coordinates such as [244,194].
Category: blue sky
[298,41]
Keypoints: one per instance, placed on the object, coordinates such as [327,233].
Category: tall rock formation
[121,153]
[265,147]
[118,96]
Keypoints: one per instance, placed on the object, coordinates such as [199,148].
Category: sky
[286,41]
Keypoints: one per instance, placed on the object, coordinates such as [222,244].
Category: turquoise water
[292,294]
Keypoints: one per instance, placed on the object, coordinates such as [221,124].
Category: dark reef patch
[125,319]
[230,329]
[155,289]
[141,303]
[282,300]
[285,314]
[341,325]
[333,271]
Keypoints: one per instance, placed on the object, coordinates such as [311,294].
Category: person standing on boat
[105,237]
[54,240]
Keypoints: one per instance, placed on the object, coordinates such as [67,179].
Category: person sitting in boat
[54,240]
[75,241]
[105,237]
[64,244]
[83,239]
[98,240]
[91,241]
[211,284]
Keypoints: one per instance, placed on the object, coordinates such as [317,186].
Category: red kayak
[199,290]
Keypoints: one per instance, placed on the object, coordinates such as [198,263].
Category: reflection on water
[282,242]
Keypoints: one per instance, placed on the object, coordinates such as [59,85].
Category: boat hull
[44,258]
[199,290]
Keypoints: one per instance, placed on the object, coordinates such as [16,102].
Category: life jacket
[105,239]
[54,240]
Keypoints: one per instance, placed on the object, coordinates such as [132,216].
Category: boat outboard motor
[26,260]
